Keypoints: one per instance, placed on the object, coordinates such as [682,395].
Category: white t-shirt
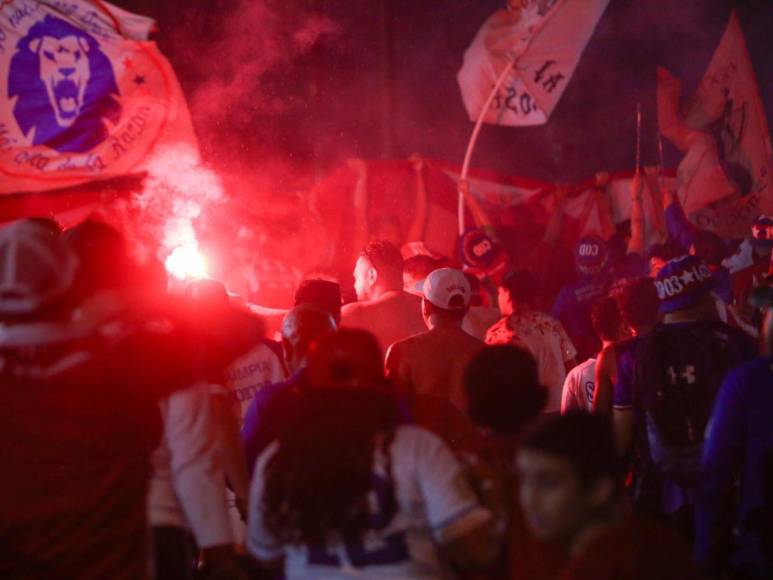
[435,506]
[245,376]
[579,386]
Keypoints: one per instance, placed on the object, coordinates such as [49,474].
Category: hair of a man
[520,286]
[324,294]
[584,440]
[420,266]
[450,316]
[502,388]
[300,328]
[606,319]
[639,303]
[385,258]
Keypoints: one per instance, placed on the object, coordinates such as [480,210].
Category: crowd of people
[437,427]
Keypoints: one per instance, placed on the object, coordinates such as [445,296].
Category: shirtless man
[383,307]
[429,367]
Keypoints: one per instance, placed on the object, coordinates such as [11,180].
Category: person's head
[639,304]
[591,256]
[569,475]
[606,319]
[207,294]
[516,290]
[416,269]
[378,269]
[684,284]
[324,294]
[38,272]
[300,328]
[47,222]
[104,259]
[502,388]
[762,235]
[446,297]
[346,358]
[659,254]
[709,246]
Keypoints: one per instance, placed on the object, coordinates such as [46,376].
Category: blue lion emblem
[65,87]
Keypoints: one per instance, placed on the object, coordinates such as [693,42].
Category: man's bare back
[393,316]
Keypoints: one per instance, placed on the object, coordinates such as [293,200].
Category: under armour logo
[688,374]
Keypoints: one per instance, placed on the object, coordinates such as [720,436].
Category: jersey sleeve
[570,396]
[452,508]
[568,350]
[260,542]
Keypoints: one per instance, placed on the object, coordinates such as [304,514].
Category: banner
[725,177]
[84,95]
[543,41]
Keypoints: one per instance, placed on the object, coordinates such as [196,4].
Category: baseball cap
[447,288]
[762,231]
[682,282]
[36,267]
[591,255]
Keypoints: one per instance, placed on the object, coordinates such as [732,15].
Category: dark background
[288,89]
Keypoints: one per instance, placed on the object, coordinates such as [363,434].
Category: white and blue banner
[83,94]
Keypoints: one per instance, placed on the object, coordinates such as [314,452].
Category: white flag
[543,42]
[83,94]
[724,179]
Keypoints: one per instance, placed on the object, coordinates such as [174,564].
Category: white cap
[443,285]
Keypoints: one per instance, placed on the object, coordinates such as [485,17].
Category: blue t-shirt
[573,307]
[739,441]
[273,407]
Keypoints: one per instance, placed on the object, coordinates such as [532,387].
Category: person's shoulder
[756,372]
[409,436]
[580,368]
[356,314]
[499,333]
[545,317]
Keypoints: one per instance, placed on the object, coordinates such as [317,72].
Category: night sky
[302,85]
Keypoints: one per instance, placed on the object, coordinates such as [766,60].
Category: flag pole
[638,138]
[464,192]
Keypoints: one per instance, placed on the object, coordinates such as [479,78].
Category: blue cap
[762,231]
[591,255]
[682,283]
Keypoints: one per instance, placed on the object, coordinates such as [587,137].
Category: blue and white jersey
[248,374]
[579,387]
[435,505]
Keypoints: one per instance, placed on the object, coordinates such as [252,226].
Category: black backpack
[678,371]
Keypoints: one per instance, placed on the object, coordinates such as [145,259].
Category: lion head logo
[64,87]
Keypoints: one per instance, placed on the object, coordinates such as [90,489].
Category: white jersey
[579,386]
[244,377]
[435,506]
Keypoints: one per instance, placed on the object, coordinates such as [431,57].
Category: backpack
[678,371]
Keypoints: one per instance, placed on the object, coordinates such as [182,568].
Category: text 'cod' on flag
[541,41]
[84,95]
